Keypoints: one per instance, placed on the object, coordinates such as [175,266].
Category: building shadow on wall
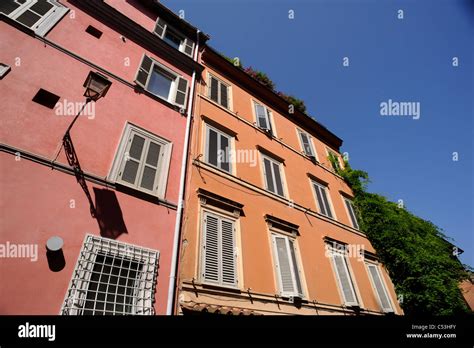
[108,214]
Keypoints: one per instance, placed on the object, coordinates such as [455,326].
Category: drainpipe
[179,212]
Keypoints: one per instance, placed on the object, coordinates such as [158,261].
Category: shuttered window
[344,278]
[286,266]
[142,161]
[162,82]
[379,287]
[322,198]
[338,163]
[219,263]
[273,177]
[39,15]
[218,91]
[306,144]
[171,36]
[263,116]
[218,146]
[351,212]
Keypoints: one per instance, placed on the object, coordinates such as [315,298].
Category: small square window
[94,31]
[46,98]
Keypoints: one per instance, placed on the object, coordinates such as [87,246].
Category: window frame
[338,156]
[282,175]
[268,116]
[219,96]
[220,133]
[328,196]
[290,241]
[47,21]
[384,286]
[333,251]
[79,287]
[348,200]
[311,144]
[163,165]
[168,28]
[202,255]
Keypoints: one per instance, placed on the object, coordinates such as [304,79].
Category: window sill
[227,288]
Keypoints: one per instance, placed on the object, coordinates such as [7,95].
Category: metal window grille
[112,278]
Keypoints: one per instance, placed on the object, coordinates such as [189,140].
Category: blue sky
[405,60]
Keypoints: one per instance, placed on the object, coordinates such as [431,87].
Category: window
[286,265]
[94,31]
[263,116]
[46,98]
[218,146]
[218,92]
[351,212]
[343,276]
[336,155]
[162,82]
[112,278]
[379,287]
[218,250]
[38,15]
[173,38]
[4,69]
[273,176]
[142,161]
[323,199]
[306,144]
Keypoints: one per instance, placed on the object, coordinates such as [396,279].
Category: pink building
[109,211]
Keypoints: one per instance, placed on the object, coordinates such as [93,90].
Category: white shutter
[219,257]
[344,279]
[350,209]
[188,47]
[144,71]
[160,27]
[211,248]
[306,142]
[228,253]
[380,288]
[181,92]
[283,266]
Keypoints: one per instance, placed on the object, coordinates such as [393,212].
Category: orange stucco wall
[255,259]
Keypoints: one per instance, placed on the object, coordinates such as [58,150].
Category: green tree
[421,263]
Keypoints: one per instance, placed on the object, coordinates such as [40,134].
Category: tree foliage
[419,259]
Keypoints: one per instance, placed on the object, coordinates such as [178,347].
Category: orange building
[268,227]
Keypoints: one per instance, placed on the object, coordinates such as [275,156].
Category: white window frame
[47,21]
[274,234]
[175,32]
[220,133]
[384,286]
[219,97]
[328,196]
[204,213]
[282,175]
[268,116]
[338,157]
[92,246]
[163,162]
[311,144]
[332,252]
[344,200]
[165,71]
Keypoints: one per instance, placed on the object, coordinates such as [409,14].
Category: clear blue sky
[407,60]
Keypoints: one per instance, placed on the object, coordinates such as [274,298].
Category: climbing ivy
[421,262]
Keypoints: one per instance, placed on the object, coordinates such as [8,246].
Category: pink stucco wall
[34,199]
